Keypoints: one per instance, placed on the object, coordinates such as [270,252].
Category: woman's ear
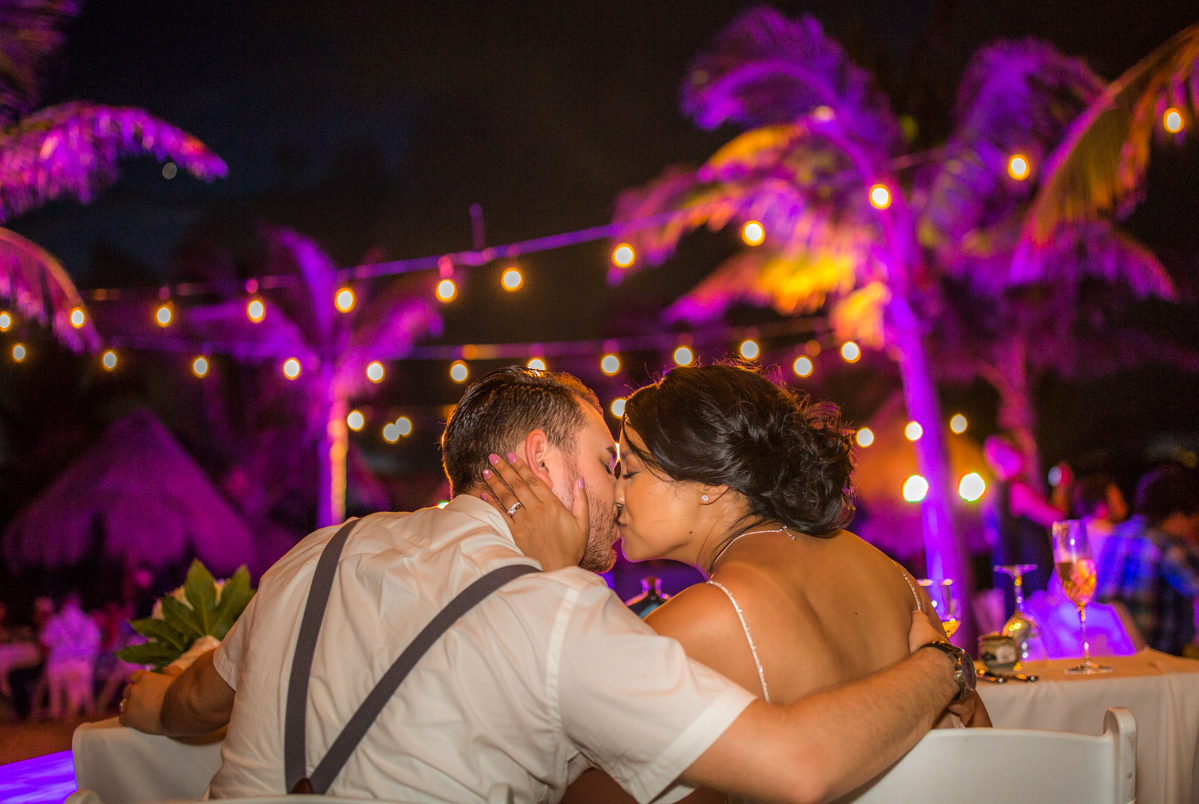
[709,494]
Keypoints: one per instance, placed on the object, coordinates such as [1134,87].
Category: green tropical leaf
[160,630]
[200,590]
[182,619]
[235,596]
[153,653]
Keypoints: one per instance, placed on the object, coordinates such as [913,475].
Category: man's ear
[537,448]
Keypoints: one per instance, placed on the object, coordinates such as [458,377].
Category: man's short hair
[500,409]
[1168,489]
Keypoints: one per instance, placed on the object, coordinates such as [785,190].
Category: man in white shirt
[546,677]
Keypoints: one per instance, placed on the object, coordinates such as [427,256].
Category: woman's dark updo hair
[728,425]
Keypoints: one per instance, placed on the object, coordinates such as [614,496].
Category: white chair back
[500,794]
[999,766]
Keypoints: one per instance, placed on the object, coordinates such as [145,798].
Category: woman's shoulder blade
[698,613]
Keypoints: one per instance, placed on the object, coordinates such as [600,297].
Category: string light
[355,420]
[623,255]
[391,433]
[374,372]
[255,310]
[200,366]
[880,196]
[537,363]
[512,279]
[683,356]
[291,368]
[5,321]
[958,423]
[344,300]
[750,349]
[850,352]
[1172,120]
[865,437]
[802,366]
[443,503]
[971,487]
[163,316]
[610,364]
[753,233]
[458,371]
[77,317]
[618,407]
[404,426]
[913,431]
[446,290]
[915,488]
[18,353]
[109,360]
[1018,167]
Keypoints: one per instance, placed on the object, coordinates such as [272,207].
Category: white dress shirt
[548,676]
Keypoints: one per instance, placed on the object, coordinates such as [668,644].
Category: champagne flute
[1076,570]
[944,603]
[1021,626]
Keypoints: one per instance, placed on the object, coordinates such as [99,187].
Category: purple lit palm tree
[68,150]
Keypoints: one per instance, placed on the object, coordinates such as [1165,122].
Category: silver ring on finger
[512,510]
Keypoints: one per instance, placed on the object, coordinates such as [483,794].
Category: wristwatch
[963,671]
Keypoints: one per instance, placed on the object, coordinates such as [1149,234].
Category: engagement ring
[512,510]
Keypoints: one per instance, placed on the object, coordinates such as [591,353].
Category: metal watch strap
[960,656]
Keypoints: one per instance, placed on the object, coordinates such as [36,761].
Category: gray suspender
[294,737]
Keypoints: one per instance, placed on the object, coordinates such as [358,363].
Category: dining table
[1161,690]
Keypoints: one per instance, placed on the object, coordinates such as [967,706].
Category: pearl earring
[704,497]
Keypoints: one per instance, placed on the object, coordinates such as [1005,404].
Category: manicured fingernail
[487,473]
[511,458]
[581,484]
[494,459]
[483,496]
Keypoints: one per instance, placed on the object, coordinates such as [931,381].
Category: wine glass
[940,592]
[1021,626]
[1076,570]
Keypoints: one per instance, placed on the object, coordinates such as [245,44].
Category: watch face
[969,677]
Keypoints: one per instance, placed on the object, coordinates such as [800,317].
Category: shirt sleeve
[227,657]
[633,702]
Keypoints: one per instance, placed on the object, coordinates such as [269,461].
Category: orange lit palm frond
[41,290]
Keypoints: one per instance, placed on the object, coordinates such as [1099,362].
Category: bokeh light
[1172,120]
[850,352]
[623,255]
[446,290]
[683,356]
[200,366]
[880,196]
[374,372]
[77,317]
[971,487]
[458,371]
[750,349]
[1055,476]
[915,488]
[512,279]
[537,363]
[18,352]
[1018,167]
[355,420]
[344,300]
[255,310]
[753,234]
[391,433]
[618,407]
[958,423]
[913,431]
[170,170]
[404,426]
[610,364]
[163,316]
[109,360]
[5,321]
[865,437]
[443,503]
[802,366]
[291,368]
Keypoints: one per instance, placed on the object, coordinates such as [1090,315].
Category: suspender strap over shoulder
[295,743]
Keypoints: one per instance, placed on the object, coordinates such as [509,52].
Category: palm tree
[68,150]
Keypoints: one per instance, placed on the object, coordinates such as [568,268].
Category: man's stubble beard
[599,555]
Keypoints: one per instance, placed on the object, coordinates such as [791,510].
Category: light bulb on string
[200,366]
[880,196]
[865,437]
[391,433]
[255,310]
[77,317]
[850,352]
[404,426]
[164,315]
[355,420]
[18,352]
[683,356]
[446,291]
[5,321]
[459,371]
[512,279]
[1018,167]
[802,366]
[109,360]
[623,255]
[291,368]
[537,364]
[344,300]
[610,364]
[618,407]
[374,372]
[915,488]
[1172,120]
[749,349]
[913,431]
[958,423]
[753,233]
[972,487]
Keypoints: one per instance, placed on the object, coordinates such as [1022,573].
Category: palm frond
[1017,97]
[73,150]
[319,272]
[860,315]
[765,69]
[30,32]
[226,323]
[41,290]
[385,330]
[1095,249]
[1100,165]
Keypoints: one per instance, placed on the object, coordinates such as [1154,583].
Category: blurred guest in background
[1100,504]
[72,641]
[1017,520]
[1149,564]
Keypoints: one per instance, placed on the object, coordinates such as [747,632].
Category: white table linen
[125,766]
[1161,690]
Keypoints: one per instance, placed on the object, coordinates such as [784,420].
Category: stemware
[940,592]
[1022,626]
[1076,570]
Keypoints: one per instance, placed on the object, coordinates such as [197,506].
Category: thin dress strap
[915,594]
[752,647]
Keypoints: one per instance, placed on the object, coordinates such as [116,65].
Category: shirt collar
[477,509]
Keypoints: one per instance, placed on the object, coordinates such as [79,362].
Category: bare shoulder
[697,616]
